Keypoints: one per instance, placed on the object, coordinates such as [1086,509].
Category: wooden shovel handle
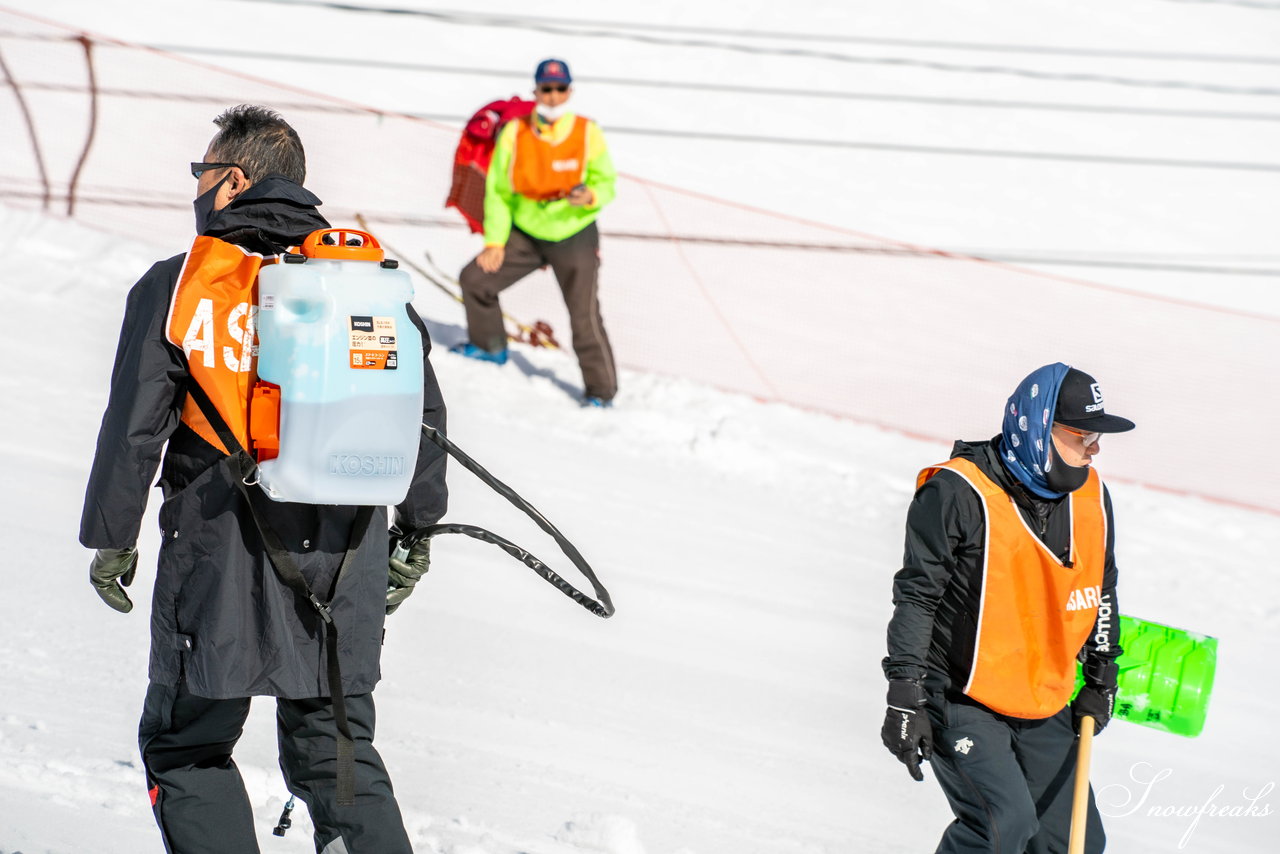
[1080,801]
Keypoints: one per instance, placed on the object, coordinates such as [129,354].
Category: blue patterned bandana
[1028,418]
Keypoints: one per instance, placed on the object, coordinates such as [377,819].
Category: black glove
[404,570]
[110,572]
[1098,695]
[907,731]
[1096,702]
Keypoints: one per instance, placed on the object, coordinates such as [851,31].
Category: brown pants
[576,264]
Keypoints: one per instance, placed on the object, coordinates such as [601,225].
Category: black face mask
[1061,477]
[204,206]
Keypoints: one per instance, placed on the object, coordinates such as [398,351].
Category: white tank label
[373,342]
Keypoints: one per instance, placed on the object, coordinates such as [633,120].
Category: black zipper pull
[285,822]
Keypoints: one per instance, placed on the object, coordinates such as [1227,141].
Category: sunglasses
[198,169]
[556,87]
[1087,438]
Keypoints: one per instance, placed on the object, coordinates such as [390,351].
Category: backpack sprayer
[336,414]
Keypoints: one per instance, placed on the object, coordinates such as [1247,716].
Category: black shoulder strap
[242,468]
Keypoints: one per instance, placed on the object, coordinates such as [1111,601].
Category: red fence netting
[744,299]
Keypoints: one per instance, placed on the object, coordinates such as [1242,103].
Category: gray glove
[404,569]
[112,570]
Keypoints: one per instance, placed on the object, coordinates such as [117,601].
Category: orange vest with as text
[545,170]
[213,319]
[1036,612]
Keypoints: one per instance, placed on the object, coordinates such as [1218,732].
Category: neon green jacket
[555,220]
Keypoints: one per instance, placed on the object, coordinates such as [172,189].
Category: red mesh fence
[744,299]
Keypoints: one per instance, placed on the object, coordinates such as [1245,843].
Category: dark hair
[260,142]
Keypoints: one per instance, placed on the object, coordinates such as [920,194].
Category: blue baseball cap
[552,71]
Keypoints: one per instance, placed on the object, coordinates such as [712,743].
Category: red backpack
[475,150]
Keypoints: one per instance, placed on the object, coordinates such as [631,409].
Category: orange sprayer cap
[340,246]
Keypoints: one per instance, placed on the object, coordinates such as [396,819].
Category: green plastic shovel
[1166,676]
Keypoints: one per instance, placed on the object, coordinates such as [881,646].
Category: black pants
[199,799]
[576,263]
[1009,781]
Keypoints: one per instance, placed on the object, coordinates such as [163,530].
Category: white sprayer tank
[334,334]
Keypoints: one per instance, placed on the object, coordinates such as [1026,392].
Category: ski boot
[471,351]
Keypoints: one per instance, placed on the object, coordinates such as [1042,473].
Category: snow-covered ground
[734,703]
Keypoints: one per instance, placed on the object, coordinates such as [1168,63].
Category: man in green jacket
[550,175]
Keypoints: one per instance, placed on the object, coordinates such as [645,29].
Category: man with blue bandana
[1009,579]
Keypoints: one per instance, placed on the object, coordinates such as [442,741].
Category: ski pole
[364,224]
[1080,801]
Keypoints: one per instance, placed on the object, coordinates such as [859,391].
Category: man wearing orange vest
[550,175]
[225,623]
[1009,579]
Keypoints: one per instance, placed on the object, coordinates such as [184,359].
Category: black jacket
[221,618]
[937,593]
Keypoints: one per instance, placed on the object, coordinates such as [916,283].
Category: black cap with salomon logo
[1080,406]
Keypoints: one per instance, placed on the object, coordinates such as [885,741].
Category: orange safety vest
[1036,612]
[546,170]
[213,318]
